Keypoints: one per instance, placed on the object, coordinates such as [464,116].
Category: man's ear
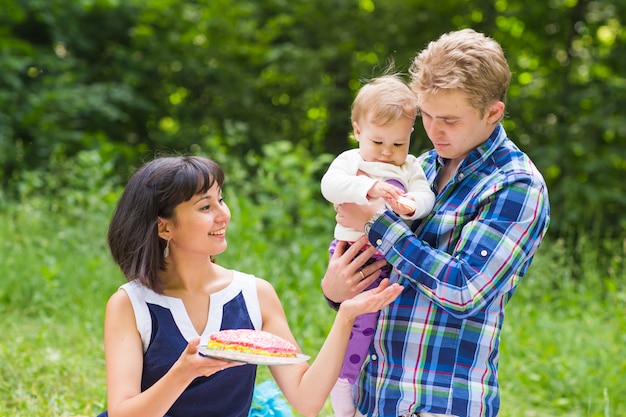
[495,111]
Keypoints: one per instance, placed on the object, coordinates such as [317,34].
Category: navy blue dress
[165,330]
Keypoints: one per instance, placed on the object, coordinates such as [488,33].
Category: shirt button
[483,252]
[374,357]
[461,176]
[379,241]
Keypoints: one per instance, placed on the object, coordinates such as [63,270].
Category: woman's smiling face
[199,224]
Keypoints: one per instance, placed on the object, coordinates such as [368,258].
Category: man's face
[453,125]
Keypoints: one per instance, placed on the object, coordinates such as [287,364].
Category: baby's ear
[356,130]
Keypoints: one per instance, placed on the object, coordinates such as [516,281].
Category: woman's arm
[307,387]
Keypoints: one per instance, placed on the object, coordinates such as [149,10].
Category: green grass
[563,346]
[564,341]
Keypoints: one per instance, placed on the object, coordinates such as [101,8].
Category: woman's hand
[198,365]
[345,276]
[372,300]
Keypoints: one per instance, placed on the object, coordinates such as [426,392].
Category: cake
[256,342]
[407,202]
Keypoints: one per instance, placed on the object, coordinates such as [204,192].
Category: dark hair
[152,192]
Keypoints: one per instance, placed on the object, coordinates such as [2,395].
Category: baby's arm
[419,191]
[343,183]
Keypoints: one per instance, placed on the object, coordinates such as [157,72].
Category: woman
[169,224]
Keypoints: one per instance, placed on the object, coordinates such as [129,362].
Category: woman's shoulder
[134,290]
[265,290]
[123,293]
[119,304]
[264,285]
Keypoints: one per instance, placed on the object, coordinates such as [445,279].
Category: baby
[383,114]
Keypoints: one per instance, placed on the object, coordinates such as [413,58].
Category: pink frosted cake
[257,342]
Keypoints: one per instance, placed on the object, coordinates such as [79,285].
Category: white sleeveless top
[141,296]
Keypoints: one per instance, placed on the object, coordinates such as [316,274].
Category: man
[436,346]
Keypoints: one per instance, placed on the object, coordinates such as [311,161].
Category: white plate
[252,358]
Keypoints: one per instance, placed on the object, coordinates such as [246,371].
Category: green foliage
[53,366]
[64,216]
[284,179]
[566,104]
[175,75]
[63,89]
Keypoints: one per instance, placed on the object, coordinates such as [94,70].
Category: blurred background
[233,78]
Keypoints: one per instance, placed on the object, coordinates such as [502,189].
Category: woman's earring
[166,251]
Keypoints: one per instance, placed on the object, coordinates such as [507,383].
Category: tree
[230,77]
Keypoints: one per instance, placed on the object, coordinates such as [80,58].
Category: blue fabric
[268,401]
[225,394]
[436,346]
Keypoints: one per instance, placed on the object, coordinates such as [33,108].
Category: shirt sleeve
[342,184]
[490,255]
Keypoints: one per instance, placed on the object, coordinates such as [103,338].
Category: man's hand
[345,276]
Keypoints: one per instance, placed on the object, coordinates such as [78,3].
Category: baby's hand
[381,189]
[403,205]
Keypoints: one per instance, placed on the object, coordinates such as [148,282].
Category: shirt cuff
[382,227]
[332,304]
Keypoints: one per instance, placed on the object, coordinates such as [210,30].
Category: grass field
[564,341]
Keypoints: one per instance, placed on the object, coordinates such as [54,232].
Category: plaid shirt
[436,347]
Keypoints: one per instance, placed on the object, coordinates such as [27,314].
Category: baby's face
[388,144]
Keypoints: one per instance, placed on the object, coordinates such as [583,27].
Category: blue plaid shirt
[436,347]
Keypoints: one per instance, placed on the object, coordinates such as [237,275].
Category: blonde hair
[463,60]
[385,99]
